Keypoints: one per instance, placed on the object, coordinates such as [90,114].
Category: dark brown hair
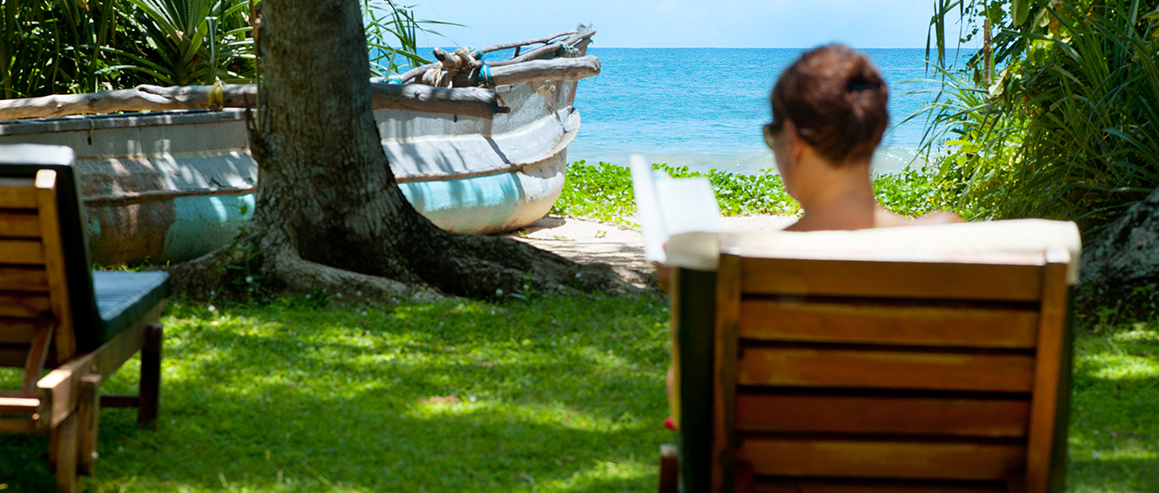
[837,99]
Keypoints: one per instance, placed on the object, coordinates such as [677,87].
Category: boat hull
[172,186]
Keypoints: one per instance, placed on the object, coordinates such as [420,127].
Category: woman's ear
[796,144]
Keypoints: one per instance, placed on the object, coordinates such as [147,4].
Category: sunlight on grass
[455,396]
[471,396]
[1114,432]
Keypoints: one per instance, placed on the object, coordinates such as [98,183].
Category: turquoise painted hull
[165,187]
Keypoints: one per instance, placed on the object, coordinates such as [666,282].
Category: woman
[829,114]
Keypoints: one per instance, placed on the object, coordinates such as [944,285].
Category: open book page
[680,213]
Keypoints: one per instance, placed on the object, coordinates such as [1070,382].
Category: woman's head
[836,100]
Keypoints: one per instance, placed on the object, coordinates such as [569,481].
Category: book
[679,217]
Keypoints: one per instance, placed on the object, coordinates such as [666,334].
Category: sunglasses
[771,130]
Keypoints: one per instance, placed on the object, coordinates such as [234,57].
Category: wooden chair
[859,368]
[57,315]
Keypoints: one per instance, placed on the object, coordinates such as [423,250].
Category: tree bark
[329,215]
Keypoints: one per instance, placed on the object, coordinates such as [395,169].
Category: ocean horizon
[704,107]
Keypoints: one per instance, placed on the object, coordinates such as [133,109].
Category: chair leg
[64,437]
[88,417]
[150,376]
[669,469]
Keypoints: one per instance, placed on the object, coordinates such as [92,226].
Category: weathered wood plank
[882,415]
[839,486]
[875,279]
[24,426]
[18,224]
[18,405]
[724,372]
[21,252]
[891,324]
[28,279]
[24,305]
[17,193]
[54,264]
[1046,375]
[471,101]
[885,369]
[868,459]
[17,330]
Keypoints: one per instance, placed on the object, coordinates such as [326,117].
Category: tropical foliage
[62,46]
[1068,127]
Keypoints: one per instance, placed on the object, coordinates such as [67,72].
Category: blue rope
[485,75]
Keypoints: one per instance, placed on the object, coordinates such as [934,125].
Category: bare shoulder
[937,217]
[887,219]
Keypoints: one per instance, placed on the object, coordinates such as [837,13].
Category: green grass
[604,192]
[1114,433]
[456,396]
[538,395]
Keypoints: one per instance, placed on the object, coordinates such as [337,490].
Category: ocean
[704,107]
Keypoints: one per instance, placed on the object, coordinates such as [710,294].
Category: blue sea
[704,107]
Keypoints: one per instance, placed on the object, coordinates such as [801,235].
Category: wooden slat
[24,305]
[891,324]
[17,193]
[882,415]
[18,405]
[840,486]
[21,252]
[885,369]
[905,460]
[16,425]
[54,264]
[21,278]
[17,330]
[1046,375]
[724,372]
[19,224]
[875,279]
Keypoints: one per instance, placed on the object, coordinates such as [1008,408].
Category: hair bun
[837,99]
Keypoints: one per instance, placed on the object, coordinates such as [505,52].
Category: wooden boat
[174,185]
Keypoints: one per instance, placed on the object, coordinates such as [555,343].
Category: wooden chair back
[35,305]
[864,373]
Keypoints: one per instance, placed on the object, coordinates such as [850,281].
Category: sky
[685,23]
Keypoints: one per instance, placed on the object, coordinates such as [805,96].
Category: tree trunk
[330,216]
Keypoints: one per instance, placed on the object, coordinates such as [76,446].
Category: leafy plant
[184,42]
[604,192]
[392,33]
[1068,127]
[51,47]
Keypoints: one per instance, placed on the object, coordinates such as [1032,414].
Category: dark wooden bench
[57,315]
[867,371]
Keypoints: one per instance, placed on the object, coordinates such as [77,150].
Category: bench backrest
[875,374]
[44,273]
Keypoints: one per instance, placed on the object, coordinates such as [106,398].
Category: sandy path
[588,241]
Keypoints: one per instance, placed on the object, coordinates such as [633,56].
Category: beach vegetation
[1057,116]
[604,192]
[75,46]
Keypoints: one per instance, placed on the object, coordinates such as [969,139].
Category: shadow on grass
[561,394]
[1114,430]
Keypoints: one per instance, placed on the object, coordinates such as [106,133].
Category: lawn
[552,394]
[549,394]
